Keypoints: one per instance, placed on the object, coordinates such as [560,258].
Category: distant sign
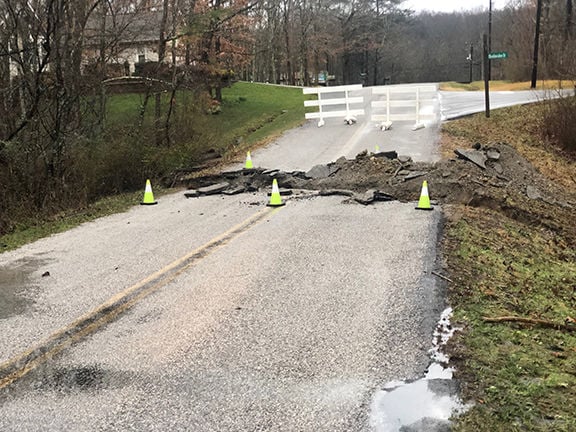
[497,55]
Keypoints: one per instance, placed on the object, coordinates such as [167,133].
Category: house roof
[141,27]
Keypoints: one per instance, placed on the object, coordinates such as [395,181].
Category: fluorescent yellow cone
[424,202]
[275,198]
[248,161]
[148,195]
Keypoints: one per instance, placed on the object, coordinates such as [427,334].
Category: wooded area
[377,42]
[61,60]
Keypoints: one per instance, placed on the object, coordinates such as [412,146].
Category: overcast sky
[451,5]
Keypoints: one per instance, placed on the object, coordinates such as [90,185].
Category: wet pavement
[424,405]
[293,325]
[17,286]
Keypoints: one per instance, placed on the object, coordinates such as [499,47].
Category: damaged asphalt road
[492,175]
[297,320]
[293,324]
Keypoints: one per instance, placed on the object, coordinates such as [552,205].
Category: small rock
[498,168]
[45,274]
[404,159]
[192,193]
[493,154]
[533,193]
[477,146]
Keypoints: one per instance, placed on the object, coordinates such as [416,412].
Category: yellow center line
[18,366]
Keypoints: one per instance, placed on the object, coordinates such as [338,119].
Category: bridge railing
[330,104]
[404,103]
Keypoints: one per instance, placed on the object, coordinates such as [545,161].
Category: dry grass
[508,86]
[520,378]
[517,126]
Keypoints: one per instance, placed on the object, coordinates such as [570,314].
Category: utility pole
[471,60]
[490,40]
[536,45]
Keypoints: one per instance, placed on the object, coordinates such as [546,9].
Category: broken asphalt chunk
[283,192]
[214,189]
[330,192]
[234,190]
[388,155]
[192,193]
[383,196]
[366,198]
[415,174]
[476,157]
[322,171]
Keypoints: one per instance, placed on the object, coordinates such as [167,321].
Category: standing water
[425,405]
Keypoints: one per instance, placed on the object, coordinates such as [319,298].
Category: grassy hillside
[520,371]
[251,115]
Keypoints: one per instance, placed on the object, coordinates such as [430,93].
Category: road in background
[303,147]
[458,104]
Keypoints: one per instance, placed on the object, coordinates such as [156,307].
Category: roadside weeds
[520,376]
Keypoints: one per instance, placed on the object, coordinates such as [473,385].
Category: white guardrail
[401,103]
[420,98]
[335,104]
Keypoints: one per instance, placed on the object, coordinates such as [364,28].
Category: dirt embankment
[495,176]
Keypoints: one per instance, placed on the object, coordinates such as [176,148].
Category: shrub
[559,123]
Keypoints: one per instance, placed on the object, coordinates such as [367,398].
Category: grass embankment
[251,115]
[507,85]
[520,377]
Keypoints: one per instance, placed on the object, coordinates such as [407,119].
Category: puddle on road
[15,286]
[427,404]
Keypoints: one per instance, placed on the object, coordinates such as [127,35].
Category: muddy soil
[493,176]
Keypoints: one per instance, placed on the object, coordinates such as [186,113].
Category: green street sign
[497,55]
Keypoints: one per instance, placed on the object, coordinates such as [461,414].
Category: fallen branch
[532,321]
[442,276]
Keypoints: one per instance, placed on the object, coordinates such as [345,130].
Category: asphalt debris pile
[495,176]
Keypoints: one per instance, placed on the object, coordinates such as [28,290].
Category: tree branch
[531,321]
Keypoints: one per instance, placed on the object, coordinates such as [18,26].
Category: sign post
[486,75]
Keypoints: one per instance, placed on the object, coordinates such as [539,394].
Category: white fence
[334,106]
[418,99]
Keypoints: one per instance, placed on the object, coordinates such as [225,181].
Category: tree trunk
[161,56]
